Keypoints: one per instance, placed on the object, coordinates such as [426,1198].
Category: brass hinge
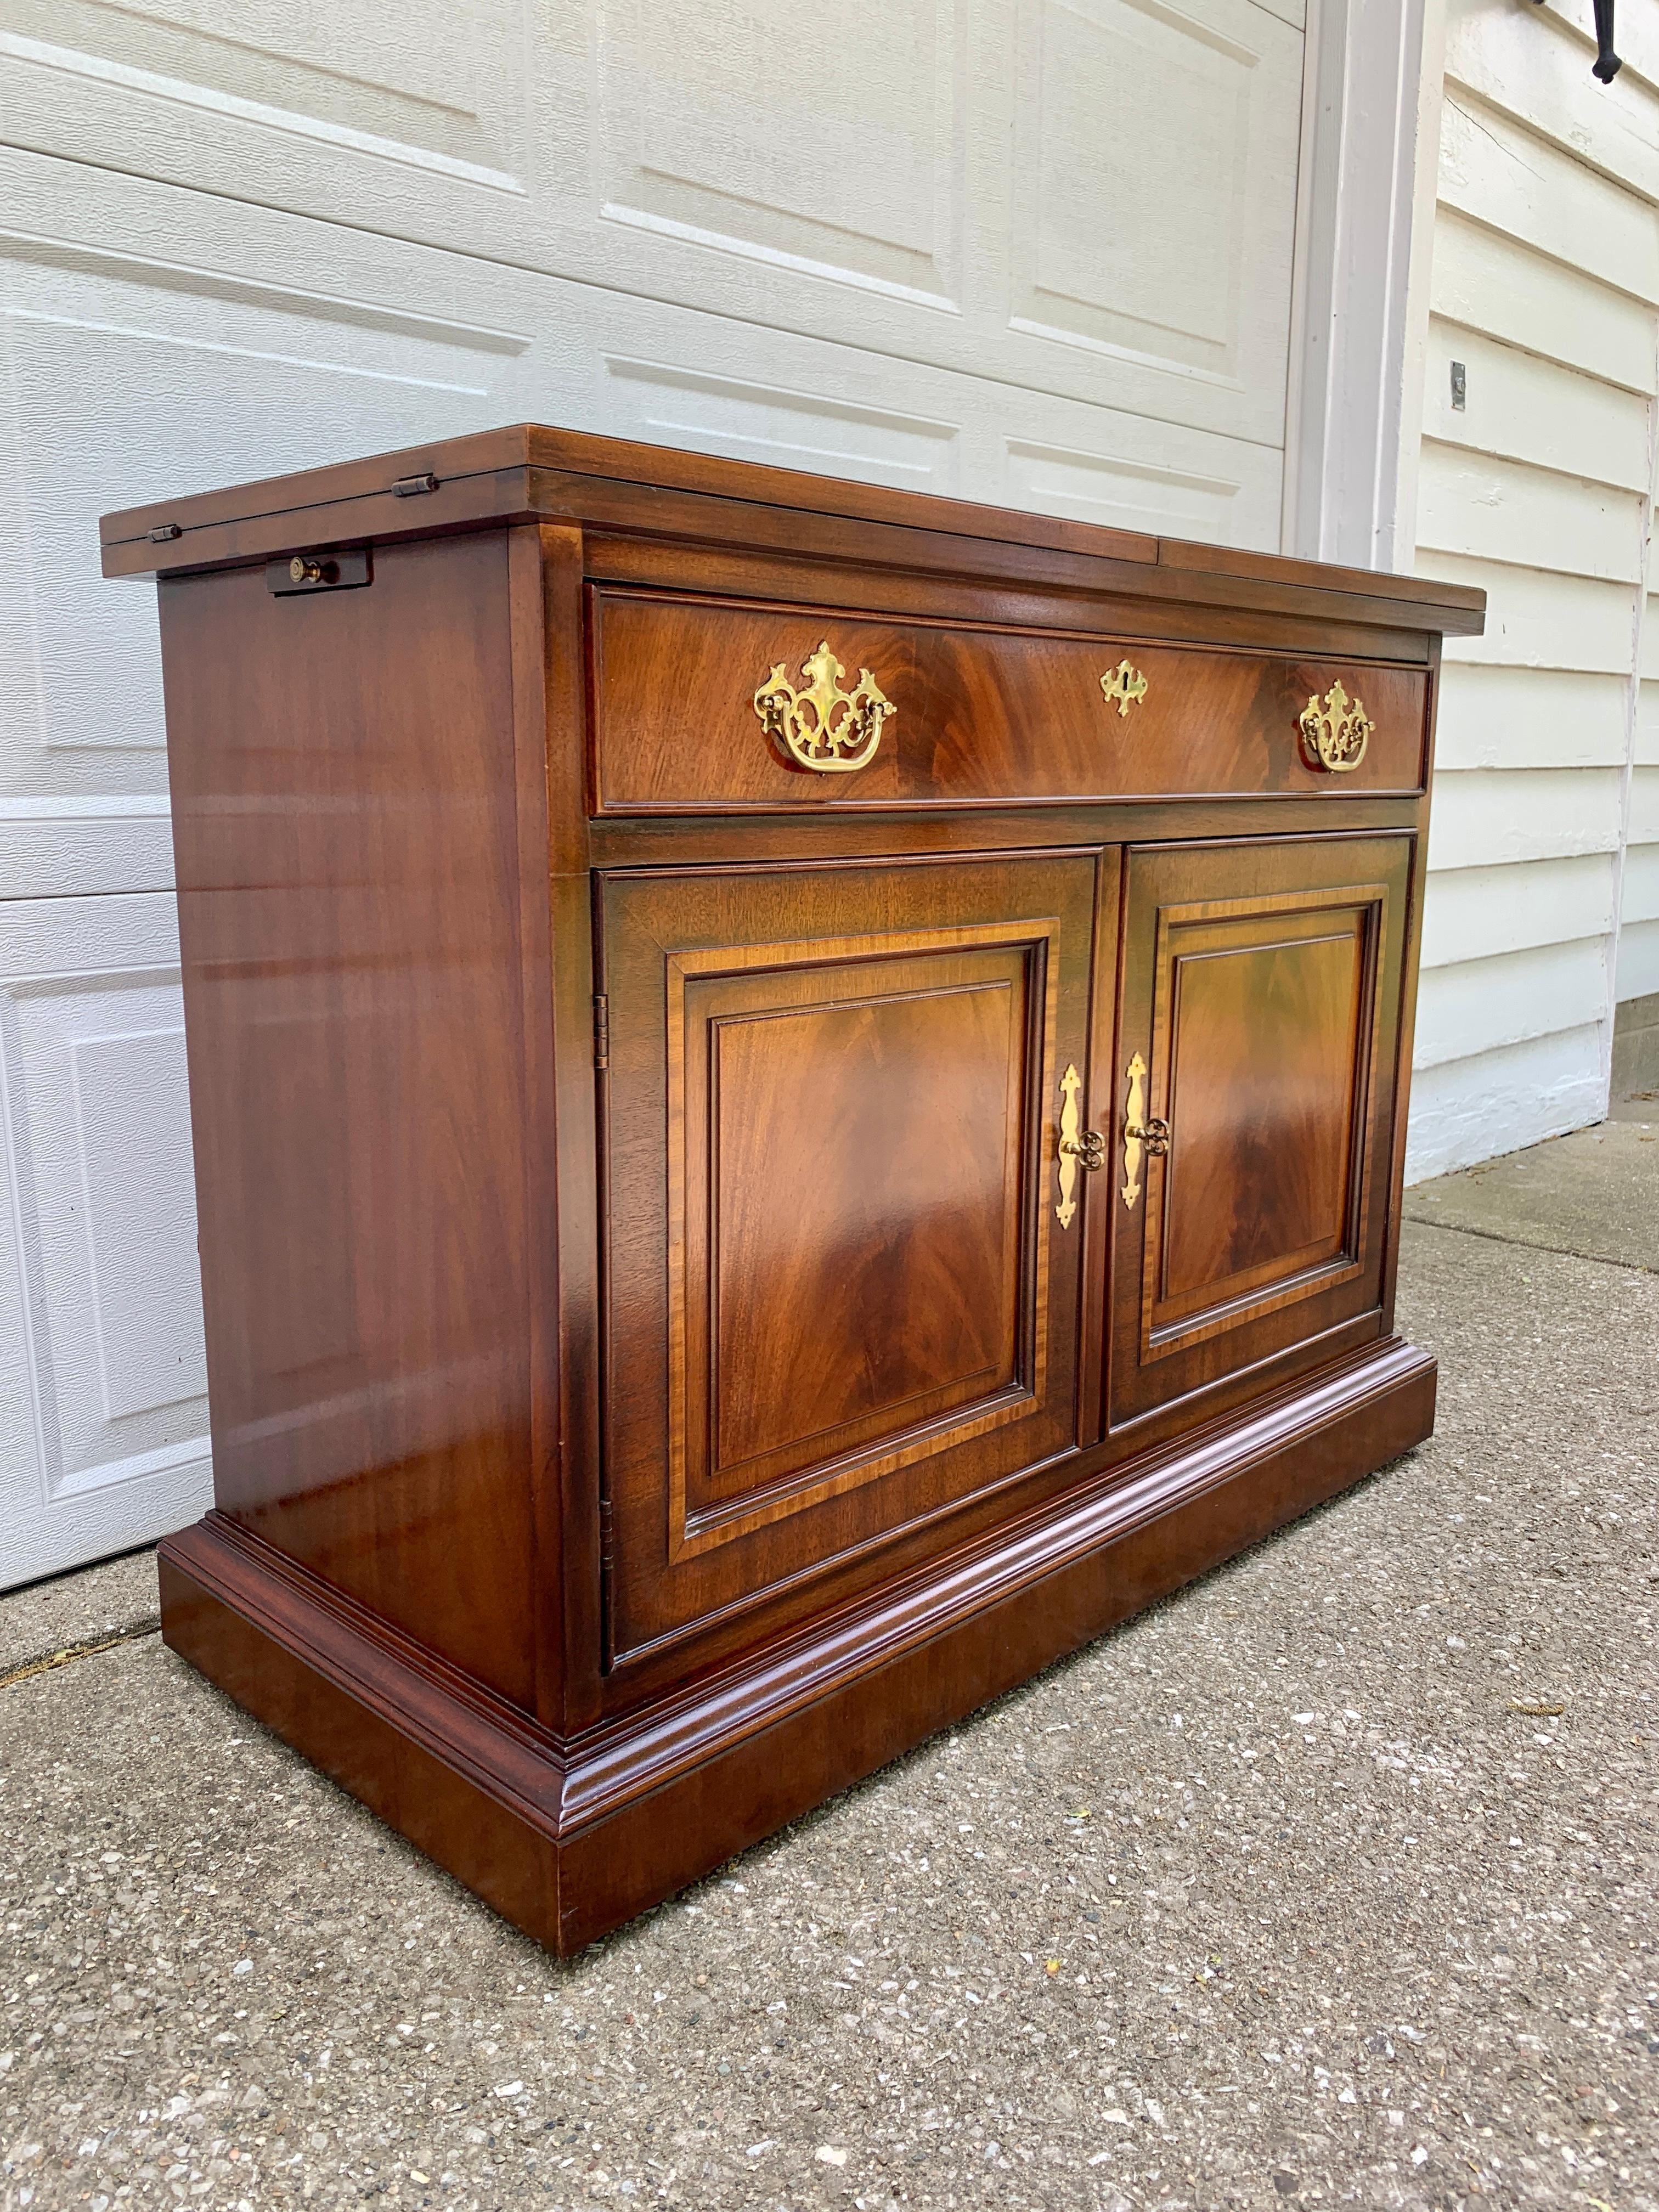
[601,1030]
[607,1556]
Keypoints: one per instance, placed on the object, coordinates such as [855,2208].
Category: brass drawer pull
[1139,1135]
[1335,736]
[1077,1148]
[824,727]
[1124,688]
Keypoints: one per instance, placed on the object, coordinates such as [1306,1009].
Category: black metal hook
[1607,64]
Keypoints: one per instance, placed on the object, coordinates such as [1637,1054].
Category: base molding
[567,1840]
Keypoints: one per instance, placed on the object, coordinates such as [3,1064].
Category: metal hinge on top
[412,487]
[601,1030]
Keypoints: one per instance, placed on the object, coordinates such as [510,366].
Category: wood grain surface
[829,1116]
[343,804]
[979,716]
[1261,985]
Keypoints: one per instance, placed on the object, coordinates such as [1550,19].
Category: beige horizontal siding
[1481,1004]
[1507,176]
[1542,411]
[1528,517]
[1525,717]
[1482,1104]
[1535,621]
[1544,849]
[1489,815]
[1640,886]
[1476,913]
[1489,283]
[1638,959]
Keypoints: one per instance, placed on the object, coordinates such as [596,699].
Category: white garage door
[1035,252]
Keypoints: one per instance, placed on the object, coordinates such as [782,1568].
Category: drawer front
[701,705]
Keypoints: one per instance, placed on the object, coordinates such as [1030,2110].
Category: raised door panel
[1259,1024]
[840,1299]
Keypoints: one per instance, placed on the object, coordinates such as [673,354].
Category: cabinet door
[1258,1025]
[840,1298]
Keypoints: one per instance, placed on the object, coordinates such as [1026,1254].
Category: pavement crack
[87,1648]
[1528,1243]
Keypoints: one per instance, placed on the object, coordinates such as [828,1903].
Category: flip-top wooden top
[529,472]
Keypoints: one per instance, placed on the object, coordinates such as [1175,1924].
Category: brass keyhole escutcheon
[1123,687]
[1077,1148]
[1141,1136]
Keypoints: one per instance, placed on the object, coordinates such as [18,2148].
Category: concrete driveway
[1334,1880]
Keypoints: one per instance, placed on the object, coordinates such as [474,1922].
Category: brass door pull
[824,727]
[1077,1148]
[1140,1135]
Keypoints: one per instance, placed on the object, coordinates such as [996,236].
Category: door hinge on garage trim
[601,1030]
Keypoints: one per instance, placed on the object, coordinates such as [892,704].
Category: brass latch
[1078,1148]
[1139,1135]
[305,574]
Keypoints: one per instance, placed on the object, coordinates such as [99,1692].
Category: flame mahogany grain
[651,1387]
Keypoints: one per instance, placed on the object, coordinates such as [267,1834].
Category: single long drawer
[700,704]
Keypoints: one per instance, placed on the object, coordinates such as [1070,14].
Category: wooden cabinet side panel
[349,878]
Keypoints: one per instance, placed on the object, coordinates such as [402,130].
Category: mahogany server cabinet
[798,1098]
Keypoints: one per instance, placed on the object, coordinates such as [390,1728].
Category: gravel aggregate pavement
[1334,1880]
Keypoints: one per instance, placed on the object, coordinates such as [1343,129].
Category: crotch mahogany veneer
[799,1096]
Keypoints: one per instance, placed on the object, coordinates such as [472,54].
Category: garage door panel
[1155,155]
[748,419]
[1155,476]
[103,1406]
[840,154]
[423,100]
[128,378]
[886,185]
